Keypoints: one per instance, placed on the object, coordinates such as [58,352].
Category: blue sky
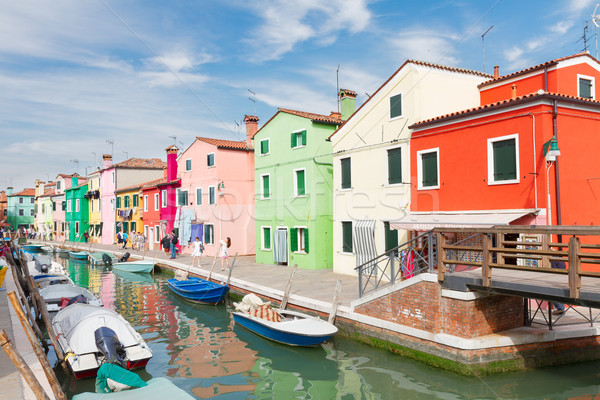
[76,73]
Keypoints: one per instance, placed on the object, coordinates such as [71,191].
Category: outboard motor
[43,263]
[107,259]
[109,345]
[125,257]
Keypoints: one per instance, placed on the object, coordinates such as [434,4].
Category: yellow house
[129,211]
[93,196]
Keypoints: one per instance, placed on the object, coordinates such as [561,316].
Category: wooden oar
[214,261]
[231,269]
[288,288]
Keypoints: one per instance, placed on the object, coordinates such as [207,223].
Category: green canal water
[201,350]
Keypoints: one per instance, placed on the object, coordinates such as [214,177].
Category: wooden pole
[46,318]
[288,288]
[38,332]
[231,269]
[213,264]
[574,267]
[37,348]
[336,301]
[441,256]
[22,366]
[486,271]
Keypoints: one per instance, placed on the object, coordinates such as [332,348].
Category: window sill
[266,250]
[343,253]
[298,147]
[300,196]
[428,188]
[507,182]
[346,189]
[300,252]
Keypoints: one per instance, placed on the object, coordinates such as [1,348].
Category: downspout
[556,174]
[535,174]
[546,79]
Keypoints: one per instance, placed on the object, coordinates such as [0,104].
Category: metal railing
[405,261]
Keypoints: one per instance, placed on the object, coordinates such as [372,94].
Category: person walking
[86,236]
[174,242]
[125,240]
[225,245]
[133,240]
[198,250]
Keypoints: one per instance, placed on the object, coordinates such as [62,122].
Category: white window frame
[179,191]
[68,205]
[145,203]
[262,187]
[92,205]
[156,201]
[490,159]
[589,78]
[300,239]
[164,198]
[296,132]
[296,183]
[262,237]
[214,160]
[186,164]
[214,190]
[420,168]
[389,104]
[213,233]
[342,236]
[157,237]
[199,203]
[268,140]
[77,205]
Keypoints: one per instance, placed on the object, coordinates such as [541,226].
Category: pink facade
[168,213]
[107,201]
[218,176]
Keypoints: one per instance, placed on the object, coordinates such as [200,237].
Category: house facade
[44,215]
[21,208]
[215,200]
[371,156]
[93,196]
[151,204]
[63,182]
[293,180]
[77,214]
[129,211]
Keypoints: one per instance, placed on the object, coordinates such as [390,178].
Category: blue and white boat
[143,266]
[199,290]
[79,255]
[34,248]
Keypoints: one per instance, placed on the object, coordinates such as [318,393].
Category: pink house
[216,198]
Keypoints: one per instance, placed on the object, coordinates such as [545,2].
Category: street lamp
[551,150]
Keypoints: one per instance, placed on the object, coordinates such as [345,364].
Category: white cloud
[425,45]
[561,27]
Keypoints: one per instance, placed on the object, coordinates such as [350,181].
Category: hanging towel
[185,225]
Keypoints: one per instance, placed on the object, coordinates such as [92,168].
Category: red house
[527,155]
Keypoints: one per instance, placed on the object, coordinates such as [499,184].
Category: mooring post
[574,267]
[441,259]
[288,288]
[486,271]
[336,301]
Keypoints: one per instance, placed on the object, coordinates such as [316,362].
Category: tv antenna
[596,21]
[337,87]
[483,44]
[126,154]
[253,99]
[76,162]
[112,145]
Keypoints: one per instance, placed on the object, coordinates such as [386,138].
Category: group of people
[137,240]
[199,250]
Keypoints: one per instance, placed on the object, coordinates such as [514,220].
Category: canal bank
[415,318]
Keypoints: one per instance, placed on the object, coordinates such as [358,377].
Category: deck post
[545,247]
[392,267]
[574,267]
[486,271]
[430,253]
[441,256]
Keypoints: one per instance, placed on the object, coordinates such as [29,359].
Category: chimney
[347,103]
[107,160]
[513,91]
[496,72]
[171,162]
[74,181]
[251,128]
[9,190]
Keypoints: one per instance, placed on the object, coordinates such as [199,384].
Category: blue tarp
[197,231]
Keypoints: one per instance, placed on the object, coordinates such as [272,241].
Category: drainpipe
[535,174]
[546,79]
[556,174]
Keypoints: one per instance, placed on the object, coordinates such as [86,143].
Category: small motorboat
[79,255]
[199,290]
[144,266]
[49,249]
[45,280]
[284,326]
[102,258]
[43,264]
[34,248]
[91,335]
[58,297]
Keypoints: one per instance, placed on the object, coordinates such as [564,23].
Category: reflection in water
[200,350]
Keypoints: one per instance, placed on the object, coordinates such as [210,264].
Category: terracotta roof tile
[25,192]
[312,116]
[225,144]
[154,183]
[67,176]
[142,163]
[534,68]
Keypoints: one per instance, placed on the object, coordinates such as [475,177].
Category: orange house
[493,164]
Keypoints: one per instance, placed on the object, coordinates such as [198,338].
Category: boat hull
[270,332]
[79,255]
[199,290]
[135,266]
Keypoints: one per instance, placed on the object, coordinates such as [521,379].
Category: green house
[293,187]
[20,211]
[77,215]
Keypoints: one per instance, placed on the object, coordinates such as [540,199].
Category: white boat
[43,264]
[156,389]
[57,296]
[135,266]
[45,280]
[91,335]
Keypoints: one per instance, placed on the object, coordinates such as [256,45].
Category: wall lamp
[551,150]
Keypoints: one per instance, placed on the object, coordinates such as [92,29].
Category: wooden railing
[493,251]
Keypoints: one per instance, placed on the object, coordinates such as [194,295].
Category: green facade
[77,217]
[293,191]
[20,211]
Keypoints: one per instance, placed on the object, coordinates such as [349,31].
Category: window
[20,200]
[395,106]
[157,233]
[198,196]
[188,165]
[210,159]
[126,201]
[113,177]
[64,206]
[156,201]
[428,169]
[57,185]
[346,173]
[146,204]
[77,227]
[164,199]
[21,212]
[53,206]
[211,195]
[265,186]
[209,234]
[298,139]
[182,197]
[91,205]
[299,182]
[394,165]
[112,202]
[32,200]
[391,236]
[118,202]
[69,206]
[76,205]
[5,212]
[585,87]
[503,165]
[346,237]
[299,240]
[43,209]
[265,243]
[32,213]
[133,226]
[146,231]
[136,200]
[264,147]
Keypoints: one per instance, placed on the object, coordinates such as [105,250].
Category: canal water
[201,350]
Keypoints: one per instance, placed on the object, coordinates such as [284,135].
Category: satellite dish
[596,17]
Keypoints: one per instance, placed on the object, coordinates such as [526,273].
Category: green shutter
[301,184]
[395,166]
[347,237]
[126,227]
[117,227]
[306,240]
[304,138]
[396,106]
[346,173]
[264,146]
[199,196]
[118,202]
[294,141]
[505,160]
[206,234]
[429,163]
[136,200]
[293,239]
[391,237]
[133,226]
[266,189]
[267,238]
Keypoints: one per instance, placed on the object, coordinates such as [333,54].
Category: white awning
[425,222]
